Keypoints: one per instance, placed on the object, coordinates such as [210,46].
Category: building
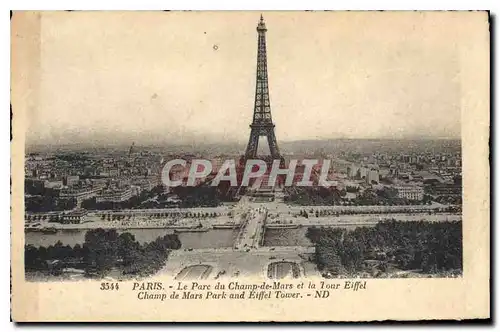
[412,193]
[384,172]
[99,183]
[363,172]
[71,180]
[79,194]
[349,195]
[114,195]
[53,184]
[144,184]
[136,190]
[89,170]
[446,189]
[372,176]
[352,171]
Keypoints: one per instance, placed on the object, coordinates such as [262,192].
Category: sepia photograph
[218,147]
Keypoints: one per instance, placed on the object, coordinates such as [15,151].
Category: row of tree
[48,203]
[113,217]
[332,196]
[403,209]
[102,251]
[413,245]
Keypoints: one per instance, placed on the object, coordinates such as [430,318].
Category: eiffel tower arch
[262,124]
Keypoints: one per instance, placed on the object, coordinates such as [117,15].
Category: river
[215,238]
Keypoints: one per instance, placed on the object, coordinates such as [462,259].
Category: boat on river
[49,230]
[191,230]
[225,226]
[282,226]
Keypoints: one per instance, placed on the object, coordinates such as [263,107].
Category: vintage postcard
[250,166]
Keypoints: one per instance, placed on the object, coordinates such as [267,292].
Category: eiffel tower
[262,124]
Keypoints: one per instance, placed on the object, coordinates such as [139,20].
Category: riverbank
[193,225]
[357,220]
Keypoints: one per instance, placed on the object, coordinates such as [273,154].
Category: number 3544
[109,286]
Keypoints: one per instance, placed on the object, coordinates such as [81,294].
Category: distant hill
[296,147]
[370,145]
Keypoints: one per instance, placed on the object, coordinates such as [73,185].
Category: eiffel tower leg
[253,144]
[273,144]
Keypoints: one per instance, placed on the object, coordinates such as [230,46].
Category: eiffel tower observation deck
[262,124]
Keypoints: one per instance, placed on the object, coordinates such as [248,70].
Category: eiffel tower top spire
[262,106]
[262,25]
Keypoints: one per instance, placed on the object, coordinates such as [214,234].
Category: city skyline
[113,84]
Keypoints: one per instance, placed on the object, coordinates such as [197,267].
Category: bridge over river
[252,229]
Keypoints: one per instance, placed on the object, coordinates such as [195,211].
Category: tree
[126,247]
[32,259]
[431,247]
[102,248]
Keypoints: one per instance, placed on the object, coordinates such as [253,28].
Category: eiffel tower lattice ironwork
[262,124]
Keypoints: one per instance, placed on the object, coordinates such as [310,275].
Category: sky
[153,77]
